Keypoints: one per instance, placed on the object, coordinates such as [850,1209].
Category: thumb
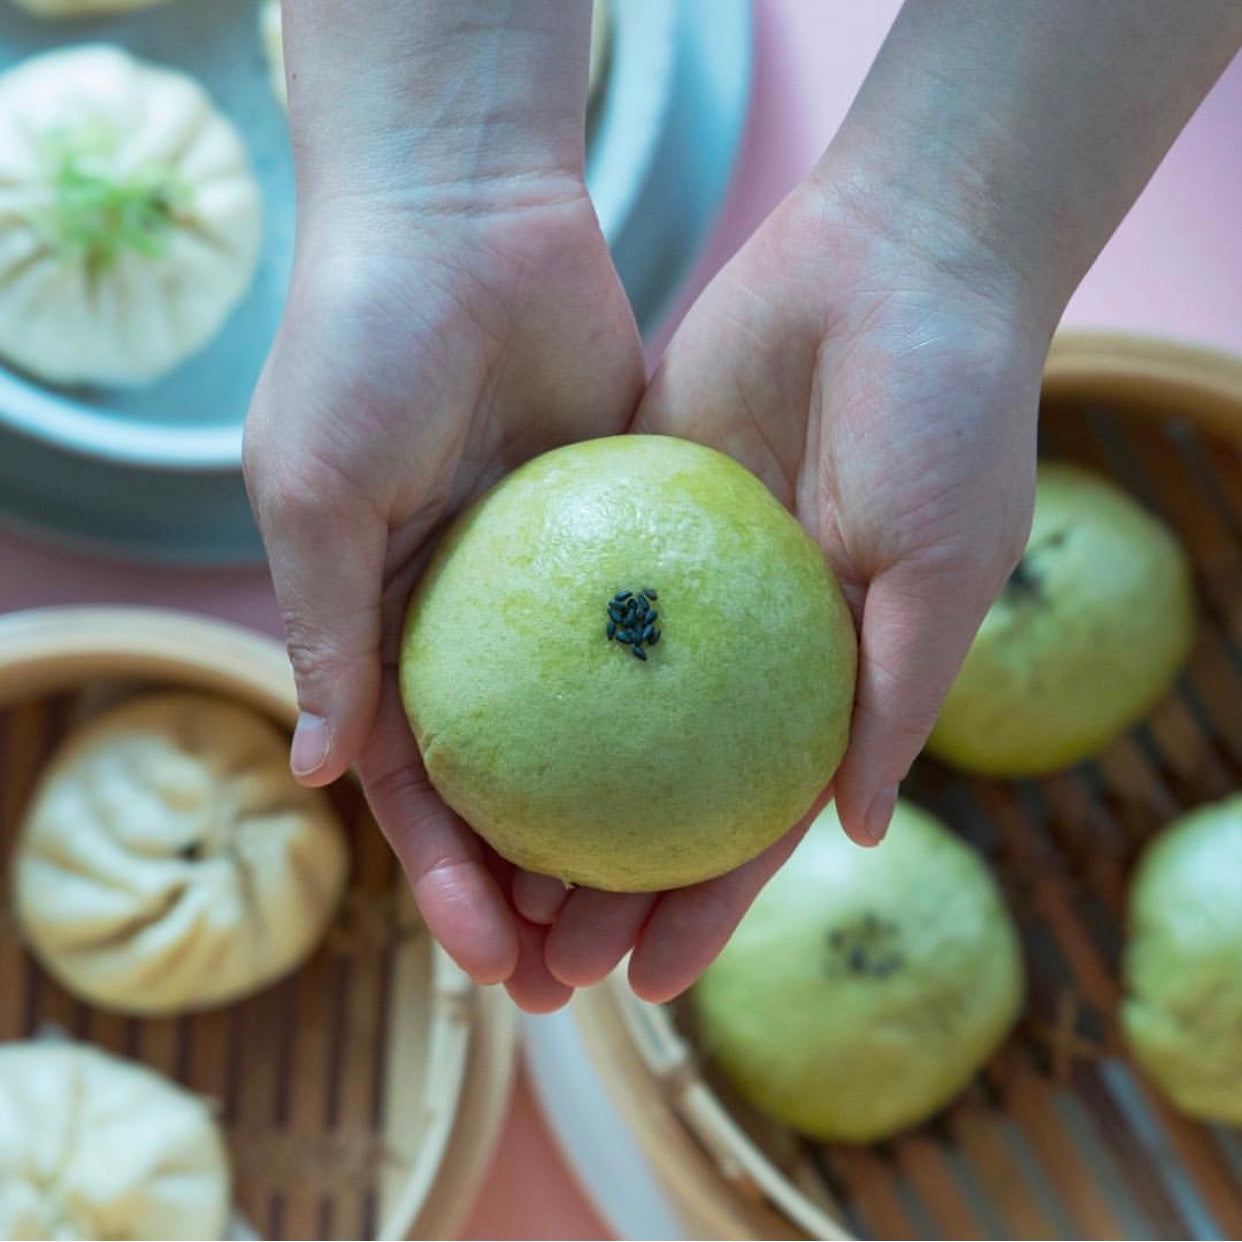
[326,553]
[917,626]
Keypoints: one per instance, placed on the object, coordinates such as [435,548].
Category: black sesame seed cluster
[868,947]
[632,621]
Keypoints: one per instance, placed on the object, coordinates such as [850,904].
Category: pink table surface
[1174,268]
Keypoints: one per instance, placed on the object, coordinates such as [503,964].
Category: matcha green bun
[677,748]
[865,987]
[1087,635]
[1182,970]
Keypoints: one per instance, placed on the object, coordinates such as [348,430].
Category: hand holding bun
[170,862]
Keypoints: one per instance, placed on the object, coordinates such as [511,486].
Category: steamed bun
[95,1147]
[169,861]
[865,987]
[82,8]
[130,219]
[1182,970]
[1086,636]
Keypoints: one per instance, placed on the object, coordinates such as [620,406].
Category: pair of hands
[875,371]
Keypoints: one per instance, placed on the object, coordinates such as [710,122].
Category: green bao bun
[1182,970]
[1087,635]
[865,987]
[573,756]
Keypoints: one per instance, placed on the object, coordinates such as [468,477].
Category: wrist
[1029,128]
[436,103]
[948,206]
[936,238]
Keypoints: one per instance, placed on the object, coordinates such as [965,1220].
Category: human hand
[453,311]
[422,356]
[874,354]
[881,375]
[886,392]
[875,351]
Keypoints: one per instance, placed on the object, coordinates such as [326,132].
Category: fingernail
[309,751]
[538,898]
[880,812]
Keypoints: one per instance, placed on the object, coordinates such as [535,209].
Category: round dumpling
[170,862]
[865,987]
[95,1147]
[82,8]
[1087,635]
[1182,971]
[130,219]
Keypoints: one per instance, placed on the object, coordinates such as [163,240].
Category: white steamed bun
[170,862]
[95,1147]
[130,219]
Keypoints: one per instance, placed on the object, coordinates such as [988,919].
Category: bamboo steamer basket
[361,1097]
[1059,1136]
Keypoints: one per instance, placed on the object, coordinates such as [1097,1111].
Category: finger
[916,630]
[326,553]
[462,902]
[538,898]
[690,926]
[593,932]
[531,986]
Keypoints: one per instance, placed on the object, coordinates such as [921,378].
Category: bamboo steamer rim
[722,1183]
[1147,375]
[721,1180]
[472,1032]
